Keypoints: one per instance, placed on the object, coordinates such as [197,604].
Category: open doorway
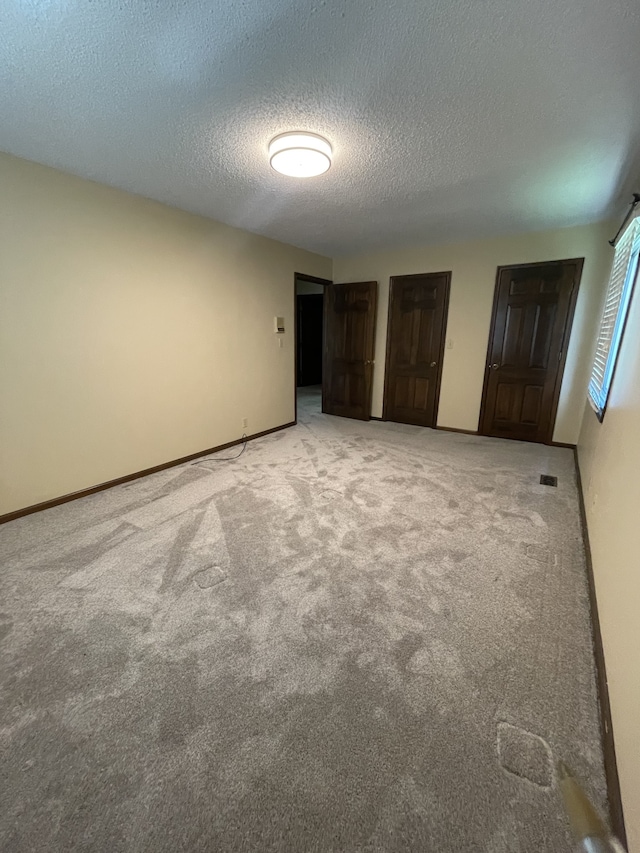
[309,311]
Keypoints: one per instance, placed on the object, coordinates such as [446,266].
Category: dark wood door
[418,307]
[349,339]
[532,315]
[309,308]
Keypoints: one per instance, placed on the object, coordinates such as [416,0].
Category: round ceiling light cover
[300,154]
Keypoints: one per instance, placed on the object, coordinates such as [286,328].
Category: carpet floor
[354,637]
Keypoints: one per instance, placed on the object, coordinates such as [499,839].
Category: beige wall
[473,265]
[131,333]
[609,455]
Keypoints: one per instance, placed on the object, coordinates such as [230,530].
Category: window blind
[616,304]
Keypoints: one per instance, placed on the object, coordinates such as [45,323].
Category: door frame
[301,276]
[566,337]
[443,338]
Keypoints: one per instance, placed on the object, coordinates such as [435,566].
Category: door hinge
[560,356]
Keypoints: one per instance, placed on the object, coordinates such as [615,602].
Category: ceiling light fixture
[300,154]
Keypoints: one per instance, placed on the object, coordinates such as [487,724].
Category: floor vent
[548,480]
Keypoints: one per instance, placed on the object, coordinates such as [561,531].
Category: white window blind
[616,305]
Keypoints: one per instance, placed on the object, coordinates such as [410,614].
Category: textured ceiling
[450,119]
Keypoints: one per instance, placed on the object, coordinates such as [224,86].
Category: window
[614,315]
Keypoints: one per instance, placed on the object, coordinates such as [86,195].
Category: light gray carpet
[355,637]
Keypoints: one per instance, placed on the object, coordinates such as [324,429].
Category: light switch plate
[279,325]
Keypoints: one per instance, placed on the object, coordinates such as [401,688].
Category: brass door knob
[495,366]
[433,364]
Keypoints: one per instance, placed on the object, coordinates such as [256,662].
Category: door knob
[369,362]
[495,365]
[433,364]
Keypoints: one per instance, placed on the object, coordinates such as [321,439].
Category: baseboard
[455,429]
[446,429]
[475,432]
[616,814]
[83,493]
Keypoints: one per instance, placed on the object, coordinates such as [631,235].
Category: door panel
[415,347]
[532,404]
[532,314]
[349,340]
[411,392]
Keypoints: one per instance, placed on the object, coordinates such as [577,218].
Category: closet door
[532,314]
[415,347]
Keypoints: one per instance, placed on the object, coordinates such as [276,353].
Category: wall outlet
[245,423]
